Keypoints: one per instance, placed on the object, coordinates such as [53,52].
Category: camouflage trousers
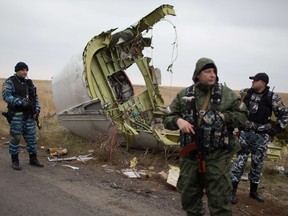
[20,126]
[256,144]
[216,183]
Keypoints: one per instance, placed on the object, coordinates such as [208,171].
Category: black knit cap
[20,66]
[208,66]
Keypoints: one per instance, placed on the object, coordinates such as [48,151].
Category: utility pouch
[8,115]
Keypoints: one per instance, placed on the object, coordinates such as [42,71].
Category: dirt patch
[249,206]
[155,191]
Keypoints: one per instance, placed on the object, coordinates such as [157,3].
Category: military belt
[18,113]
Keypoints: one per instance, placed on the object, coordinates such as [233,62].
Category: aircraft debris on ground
[100,93]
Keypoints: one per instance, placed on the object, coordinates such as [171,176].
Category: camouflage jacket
[235,115]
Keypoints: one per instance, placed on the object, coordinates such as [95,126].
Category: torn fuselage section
[106,59]
[121,86]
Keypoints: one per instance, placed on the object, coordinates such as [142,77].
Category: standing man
[254,137]
[206,114]
[23,108]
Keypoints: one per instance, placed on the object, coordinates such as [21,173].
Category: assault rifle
[28,109]
[36,118]
[31,109]
[9,115]
[196,145]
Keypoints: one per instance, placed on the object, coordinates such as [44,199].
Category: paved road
[58,190]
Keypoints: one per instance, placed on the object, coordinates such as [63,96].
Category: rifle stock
[187,149]
[197,145]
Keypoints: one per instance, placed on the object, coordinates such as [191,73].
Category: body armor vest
[212,130]
[259,105]
[23,90]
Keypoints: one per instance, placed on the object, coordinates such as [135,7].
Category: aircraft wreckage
[93,92]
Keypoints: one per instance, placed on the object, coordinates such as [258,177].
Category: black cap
[260,76]
[20,66]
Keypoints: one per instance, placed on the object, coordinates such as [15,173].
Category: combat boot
[15,162]
[34,161]
[233,198]
[253,192]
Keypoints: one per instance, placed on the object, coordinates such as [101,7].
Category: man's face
[22,73]
[258,85]
[208,76]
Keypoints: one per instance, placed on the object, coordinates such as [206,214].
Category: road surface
[59,190]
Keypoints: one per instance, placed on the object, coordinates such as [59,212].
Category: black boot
[233,198]
[253,192]
[15,162]
[34,161]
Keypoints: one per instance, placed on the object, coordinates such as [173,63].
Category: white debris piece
[79,158]
[72,167]
[131,173]
[173,175]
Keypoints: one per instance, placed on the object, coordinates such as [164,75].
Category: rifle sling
[204,107]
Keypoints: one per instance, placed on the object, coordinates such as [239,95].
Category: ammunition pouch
[212,133]
[215,133]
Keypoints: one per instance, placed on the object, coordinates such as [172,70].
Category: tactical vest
[212,128]
[260,109]
[24,89]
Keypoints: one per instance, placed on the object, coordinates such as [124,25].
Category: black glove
[275,130]
[26,104]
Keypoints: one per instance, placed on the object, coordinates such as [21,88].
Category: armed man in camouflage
[23,108]
[254,137]
[206,114]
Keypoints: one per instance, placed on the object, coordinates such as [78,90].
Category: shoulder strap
[191,104]
[190,92]
[12,78]
[216,96]
[269,97]
[29,82]
[204,107]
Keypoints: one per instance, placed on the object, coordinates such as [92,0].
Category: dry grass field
[53,134]
[273,185]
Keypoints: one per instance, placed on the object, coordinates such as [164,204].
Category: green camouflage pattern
[215,134]
[216,182]
[235,115]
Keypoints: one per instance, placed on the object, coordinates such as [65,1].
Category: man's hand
[222,115]
[36,115]
[26,103]
[185,126]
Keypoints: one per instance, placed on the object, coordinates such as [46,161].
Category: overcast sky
[243,37]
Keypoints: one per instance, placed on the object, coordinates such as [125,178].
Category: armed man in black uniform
[254,137]
[23,109]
